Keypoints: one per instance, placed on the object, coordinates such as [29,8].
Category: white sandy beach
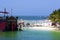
[46,25]
[41,28]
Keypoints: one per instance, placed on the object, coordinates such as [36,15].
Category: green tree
[55,16]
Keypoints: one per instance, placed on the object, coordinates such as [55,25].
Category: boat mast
[4,12]
[11,12]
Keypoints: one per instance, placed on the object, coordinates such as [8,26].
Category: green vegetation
[55,16]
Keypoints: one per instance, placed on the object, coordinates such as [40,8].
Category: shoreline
[40,28]
[46,25]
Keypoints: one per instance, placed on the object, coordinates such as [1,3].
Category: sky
[29,7]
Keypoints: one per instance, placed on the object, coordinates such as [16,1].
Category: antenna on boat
[11,12]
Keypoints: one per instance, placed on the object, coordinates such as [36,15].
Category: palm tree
[55,16]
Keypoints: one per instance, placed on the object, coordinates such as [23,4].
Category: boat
[8,23]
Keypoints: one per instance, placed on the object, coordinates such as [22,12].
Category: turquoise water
[28,34]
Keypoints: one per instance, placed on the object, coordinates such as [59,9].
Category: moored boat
[8,23]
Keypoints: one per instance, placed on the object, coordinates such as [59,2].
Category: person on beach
[21,25]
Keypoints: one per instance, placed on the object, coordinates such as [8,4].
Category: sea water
[32,17]
[28,34]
